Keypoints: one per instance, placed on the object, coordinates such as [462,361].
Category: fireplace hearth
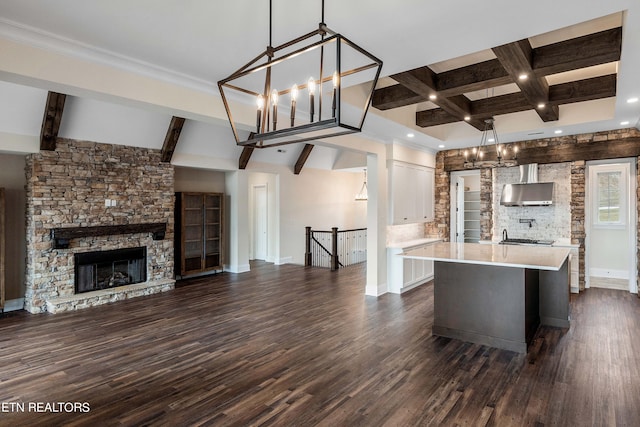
[109,269]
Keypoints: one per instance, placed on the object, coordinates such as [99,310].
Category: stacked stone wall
[68,187]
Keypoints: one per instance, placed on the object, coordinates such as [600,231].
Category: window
[609,195]
[609,189]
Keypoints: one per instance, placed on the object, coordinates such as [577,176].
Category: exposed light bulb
[294,92]
[311,86]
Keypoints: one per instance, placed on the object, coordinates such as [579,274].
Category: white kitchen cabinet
[412,193]
[429,195]
[404,274]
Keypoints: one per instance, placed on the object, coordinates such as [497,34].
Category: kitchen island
[497,295]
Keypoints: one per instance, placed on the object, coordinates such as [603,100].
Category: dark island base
[498,306]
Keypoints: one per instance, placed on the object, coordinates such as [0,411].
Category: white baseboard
[285,260]
[14,304]
[610,274]
[240,268]
[375,290]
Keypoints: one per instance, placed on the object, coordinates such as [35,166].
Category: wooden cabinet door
[192,225]
[199,232]
[212,230]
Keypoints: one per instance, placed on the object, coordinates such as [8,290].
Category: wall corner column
[237,221]
[376,225]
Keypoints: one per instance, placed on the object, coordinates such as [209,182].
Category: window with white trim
[610,201]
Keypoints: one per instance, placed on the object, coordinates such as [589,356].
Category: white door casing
[260,222]
[610,243]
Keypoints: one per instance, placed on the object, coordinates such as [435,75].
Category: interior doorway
[465,206]
[610,222]
[260,222]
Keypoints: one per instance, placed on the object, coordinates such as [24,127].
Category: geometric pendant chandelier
[293,92]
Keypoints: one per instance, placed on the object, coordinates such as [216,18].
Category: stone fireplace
[86,198]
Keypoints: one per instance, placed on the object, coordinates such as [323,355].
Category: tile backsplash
[549,222]
[404,232]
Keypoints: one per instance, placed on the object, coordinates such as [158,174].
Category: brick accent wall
[68,187]
[486,204]
[550,221]
[578,234]
[443,199]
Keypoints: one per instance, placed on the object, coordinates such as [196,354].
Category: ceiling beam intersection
[516,58]
[422,81]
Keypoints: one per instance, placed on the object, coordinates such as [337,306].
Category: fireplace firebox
[109,269]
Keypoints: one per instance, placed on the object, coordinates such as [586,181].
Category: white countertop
[538,257]
[414,242]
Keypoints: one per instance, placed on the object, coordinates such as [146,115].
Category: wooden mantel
[62,236]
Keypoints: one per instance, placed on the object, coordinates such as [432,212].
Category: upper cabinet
[412,194]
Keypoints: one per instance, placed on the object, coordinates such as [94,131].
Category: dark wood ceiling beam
[586,51]
[566,152]
[434,117]
[171,139]
[302,158]
[516,58]
[51,120]
[471,78]
[580,52]
[395,96]
[565,93]
[247,151]
[583,90]
[422,81]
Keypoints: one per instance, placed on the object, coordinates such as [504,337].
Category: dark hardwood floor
[293,346]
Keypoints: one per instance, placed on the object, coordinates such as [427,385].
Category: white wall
[609,248]
[321,200]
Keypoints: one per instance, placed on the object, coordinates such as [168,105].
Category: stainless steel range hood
[529,192]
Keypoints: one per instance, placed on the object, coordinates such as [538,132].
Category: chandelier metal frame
[477,158]
[266,133]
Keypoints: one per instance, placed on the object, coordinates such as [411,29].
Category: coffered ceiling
[581,58]
[537,74]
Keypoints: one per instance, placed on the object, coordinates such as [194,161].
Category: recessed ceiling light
[626,122]
[557,132]
[410,135]
[467,118]
[541,106]
[523,76]
[441,146]
[632,100]
[432,97]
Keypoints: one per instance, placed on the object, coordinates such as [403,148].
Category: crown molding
[54,43]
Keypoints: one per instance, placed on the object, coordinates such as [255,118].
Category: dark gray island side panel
[486,304]
[554,296]
[499,306]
